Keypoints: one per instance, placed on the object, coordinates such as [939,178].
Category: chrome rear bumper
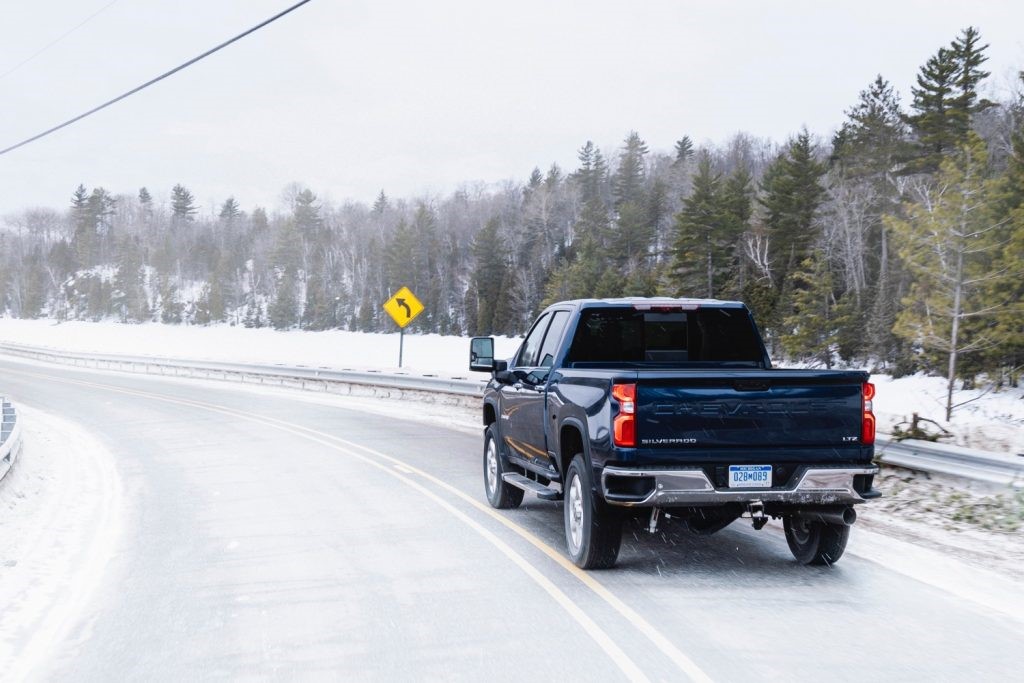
[667,488]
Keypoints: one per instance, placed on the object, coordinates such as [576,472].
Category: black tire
[499,494]
[593,529]
[815,543]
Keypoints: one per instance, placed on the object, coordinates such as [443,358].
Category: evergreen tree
[426,261]
[632,236]
[28,288]
[1005,359]
[699,242]
[553,178]
[381,204]
[287,253]
[96,295]
[230,211]
[611,284]
[812,328]
[129,295]
[183,208]
[260,222]
[253,314]
[868,152]
[946,98]
[319,312]
[398,258]
[145,205]
[307,215]
[84,228]
[684,149]
[628,182]
[202,316]
[101,212]
[535,181]
[737,211]
[367,313]
[707,230]
[933,98]
[222,294]
[949,241]
[591,174]
[872,141]
[791,194]
[509,311]
[489,276]
[969,56]
[579,277]
[284,311]
[171,306]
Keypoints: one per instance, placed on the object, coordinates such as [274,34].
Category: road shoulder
[60,518]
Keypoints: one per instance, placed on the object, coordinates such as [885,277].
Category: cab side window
[530,352]
[554,335]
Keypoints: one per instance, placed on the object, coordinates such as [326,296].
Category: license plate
[750,476]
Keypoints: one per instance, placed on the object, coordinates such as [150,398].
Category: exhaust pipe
[844,515]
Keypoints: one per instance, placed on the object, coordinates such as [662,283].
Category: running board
[521,482]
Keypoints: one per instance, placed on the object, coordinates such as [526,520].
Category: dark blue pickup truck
[670,408]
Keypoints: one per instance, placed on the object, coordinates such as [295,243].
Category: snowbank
[60,518]
[331,348]
[994,422]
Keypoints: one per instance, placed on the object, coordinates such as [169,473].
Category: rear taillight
[624,424]
[867,429]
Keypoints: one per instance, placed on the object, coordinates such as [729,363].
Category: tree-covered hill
[899,242]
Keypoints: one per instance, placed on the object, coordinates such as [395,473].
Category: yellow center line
[632,671]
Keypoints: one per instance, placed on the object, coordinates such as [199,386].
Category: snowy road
[267,538]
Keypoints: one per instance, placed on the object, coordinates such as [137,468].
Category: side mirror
[481,354]
[502,373]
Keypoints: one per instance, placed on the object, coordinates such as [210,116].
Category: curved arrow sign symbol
[403,304]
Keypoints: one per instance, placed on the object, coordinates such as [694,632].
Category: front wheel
[500,494]
[815,543]
[593,529]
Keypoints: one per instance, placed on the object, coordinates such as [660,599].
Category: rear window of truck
[607,336]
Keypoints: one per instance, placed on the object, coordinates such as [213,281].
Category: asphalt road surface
[273,539]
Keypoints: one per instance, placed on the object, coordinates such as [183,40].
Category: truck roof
[644,302]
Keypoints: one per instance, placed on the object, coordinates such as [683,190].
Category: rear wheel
[593,529]
[500,494]
[815,543]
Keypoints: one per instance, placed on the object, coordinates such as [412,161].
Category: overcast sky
[349,97]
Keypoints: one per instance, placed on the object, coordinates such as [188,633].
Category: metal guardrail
[459,390]
[956,461]
[923,456]
[10,436]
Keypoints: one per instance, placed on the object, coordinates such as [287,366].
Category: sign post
[403,308]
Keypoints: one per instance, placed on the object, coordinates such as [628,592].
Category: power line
[57,40]
[155,80]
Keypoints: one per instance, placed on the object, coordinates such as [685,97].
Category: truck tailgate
[759,408]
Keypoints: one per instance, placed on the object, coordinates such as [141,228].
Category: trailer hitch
[757,517]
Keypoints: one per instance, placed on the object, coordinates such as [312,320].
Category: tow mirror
[481,354]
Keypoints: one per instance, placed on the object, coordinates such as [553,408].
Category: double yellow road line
[414,477]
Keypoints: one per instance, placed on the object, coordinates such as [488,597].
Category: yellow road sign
[403,307]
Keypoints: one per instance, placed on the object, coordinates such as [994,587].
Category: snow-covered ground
[64,524]
[993,422]
[60,518]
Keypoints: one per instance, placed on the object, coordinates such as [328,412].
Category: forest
[895,244]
